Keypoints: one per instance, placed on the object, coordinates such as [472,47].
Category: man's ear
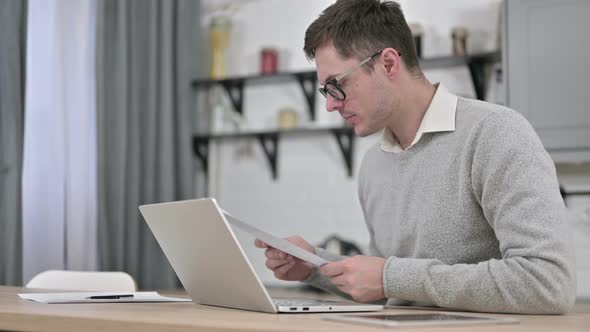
[391,61]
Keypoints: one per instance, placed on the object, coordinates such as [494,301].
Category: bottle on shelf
[219,33]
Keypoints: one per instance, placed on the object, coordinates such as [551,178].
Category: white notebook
[99,297]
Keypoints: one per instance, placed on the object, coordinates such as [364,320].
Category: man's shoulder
[479,115]
[478,110]
[492,127]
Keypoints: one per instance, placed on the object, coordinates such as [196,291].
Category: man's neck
[417,97]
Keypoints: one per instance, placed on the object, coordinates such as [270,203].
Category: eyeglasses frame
[334,81]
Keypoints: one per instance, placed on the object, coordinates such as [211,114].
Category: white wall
[313,196]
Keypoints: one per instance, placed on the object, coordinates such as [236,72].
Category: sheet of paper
[277,242]
[84,297]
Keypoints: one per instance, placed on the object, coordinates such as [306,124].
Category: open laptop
[212,266]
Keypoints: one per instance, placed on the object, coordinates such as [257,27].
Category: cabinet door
[547,65]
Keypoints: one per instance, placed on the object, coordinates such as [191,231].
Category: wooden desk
[22,315]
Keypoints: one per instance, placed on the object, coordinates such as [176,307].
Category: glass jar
[268,61]
[287,118]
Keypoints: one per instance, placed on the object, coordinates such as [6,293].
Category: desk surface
[21,315]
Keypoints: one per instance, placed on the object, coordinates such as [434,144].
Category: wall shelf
[269,141]
[234,87]
[307,80]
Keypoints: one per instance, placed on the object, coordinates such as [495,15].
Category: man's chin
[364,132]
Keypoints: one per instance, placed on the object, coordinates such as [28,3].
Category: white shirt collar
[439,117]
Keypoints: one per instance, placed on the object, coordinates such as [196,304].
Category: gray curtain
[147,54]
[13,23]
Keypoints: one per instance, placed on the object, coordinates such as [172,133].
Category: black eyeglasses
[333,88]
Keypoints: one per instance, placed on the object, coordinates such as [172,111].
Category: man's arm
[514,181]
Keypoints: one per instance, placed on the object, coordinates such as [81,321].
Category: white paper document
[277,242]
[99,297]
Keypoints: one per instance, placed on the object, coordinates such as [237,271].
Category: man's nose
[333,104]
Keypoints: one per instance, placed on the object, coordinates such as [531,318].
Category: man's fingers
[332,269]
[276,263]
[260,244]
[280,272]
[273,253]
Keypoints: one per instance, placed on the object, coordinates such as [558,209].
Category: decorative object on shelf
[219,33]
[269,61]
[287,118]
[417,33]
[459,36]
[221,16]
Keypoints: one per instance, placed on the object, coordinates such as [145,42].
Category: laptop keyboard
[300,302]
[294,302]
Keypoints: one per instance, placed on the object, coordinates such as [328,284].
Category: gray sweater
[470,219]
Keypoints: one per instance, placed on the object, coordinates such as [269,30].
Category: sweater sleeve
[514,180]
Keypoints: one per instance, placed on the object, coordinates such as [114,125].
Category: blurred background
[109,104]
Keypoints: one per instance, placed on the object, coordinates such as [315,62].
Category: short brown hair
[361,27]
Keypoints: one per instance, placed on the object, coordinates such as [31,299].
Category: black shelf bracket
[308,83]
[477,70]
[270,143]
[201,150]
[345,139]
[235,92]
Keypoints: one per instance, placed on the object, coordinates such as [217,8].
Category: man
[460,198]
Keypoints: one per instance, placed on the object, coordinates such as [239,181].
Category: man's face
[366,106]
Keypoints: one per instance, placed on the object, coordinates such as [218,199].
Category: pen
[109,297]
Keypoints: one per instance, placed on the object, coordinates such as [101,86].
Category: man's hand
[361,277]
[285,266]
